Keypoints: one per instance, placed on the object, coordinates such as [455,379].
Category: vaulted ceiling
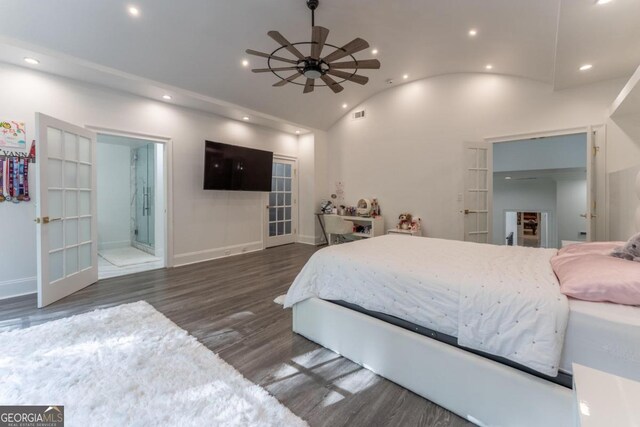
[198,45]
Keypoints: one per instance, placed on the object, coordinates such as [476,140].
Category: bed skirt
[482,391]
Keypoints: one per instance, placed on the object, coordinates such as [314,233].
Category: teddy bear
[630,251]
[405,221]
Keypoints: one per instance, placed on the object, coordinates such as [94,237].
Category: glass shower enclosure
[143,200]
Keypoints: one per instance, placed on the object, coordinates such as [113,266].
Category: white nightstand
[417,233]
[604,399]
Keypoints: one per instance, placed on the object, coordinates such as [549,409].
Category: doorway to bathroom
[130,204]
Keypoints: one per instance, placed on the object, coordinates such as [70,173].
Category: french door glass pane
[71,232]
[70,174]
[71,261]
[56,266]
[55,235]
[54,143]
[55,203]
[71,203]
[85,256]
[54,169]
[84,149]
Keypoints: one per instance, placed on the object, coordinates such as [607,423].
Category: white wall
[408,151]
[572,202]
[114,195]
[306,188]
[554,152]
[207,224]
[538,195]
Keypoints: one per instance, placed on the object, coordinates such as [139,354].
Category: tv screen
[229,167]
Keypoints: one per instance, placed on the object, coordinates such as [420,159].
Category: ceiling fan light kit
[314,66]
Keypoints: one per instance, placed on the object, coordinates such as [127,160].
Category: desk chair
[339,228]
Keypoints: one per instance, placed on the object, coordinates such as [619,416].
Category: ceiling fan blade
[371,64]
[266,55]
[308,87]
[266,70]
[285,43]
[318,38]
[287,80]
[333,85]
[354,46]
[362,80]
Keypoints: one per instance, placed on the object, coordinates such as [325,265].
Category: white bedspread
[502,300]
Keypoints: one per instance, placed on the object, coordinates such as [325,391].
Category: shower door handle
[145,202]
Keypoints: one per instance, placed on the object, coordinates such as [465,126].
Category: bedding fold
[502,300]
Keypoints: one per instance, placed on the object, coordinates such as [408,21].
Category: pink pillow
[587,271]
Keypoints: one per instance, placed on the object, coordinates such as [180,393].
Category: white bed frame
[480,390]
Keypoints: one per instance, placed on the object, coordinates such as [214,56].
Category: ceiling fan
[314,66]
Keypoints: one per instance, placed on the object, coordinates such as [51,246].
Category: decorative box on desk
[415,233]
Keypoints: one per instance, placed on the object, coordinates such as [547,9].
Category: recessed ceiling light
[298,132]
[167,97]
[31,61]
[507,177]
[488,67]
[344,105]
[405,76]
[603,1]
[245,63]
[586,67]
[245,118]
[134,11]
[374,52]
[473,32]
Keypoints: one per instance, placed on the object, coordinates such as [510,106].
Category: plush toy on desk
[630,251]
[405,221]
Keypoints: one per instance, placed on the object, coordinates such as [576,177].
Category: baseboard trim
[18,287]
[306,240]
[113,245]
[211,254]
[310,240]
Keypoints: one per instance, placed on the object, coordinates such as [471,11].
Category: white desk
[604,399]
[376,223]
[411,233]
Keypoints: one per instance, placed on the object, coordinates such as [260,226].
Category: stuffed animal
[404,221]
[630,251]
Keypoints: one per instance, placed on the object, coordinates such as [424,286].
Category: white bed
[599,335]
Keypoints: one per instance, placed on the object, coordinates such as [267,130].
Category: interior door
[282,216]
[478,190]
[65,208]
[590,212]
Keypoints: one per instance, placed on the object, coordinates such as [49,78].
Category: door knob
[45,220]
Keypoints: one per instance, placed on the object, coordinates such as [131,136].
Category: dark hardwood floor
[227,305]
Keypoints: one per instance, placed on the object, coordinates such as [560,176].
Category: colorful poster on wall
[12,135]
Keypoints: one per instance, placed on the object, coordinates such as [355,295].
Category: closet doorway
[542,190]
[131,205]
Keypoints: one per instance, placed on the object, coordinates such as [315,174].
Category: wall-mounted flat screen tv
[230,167]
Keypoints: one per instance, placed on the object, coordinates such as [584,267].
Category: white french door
[282,210]
[590,212]
[478,190]
[65,208]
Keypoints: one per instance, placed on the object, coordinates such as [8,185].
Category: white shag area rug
[280,300]
[130,366]
[123,257]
